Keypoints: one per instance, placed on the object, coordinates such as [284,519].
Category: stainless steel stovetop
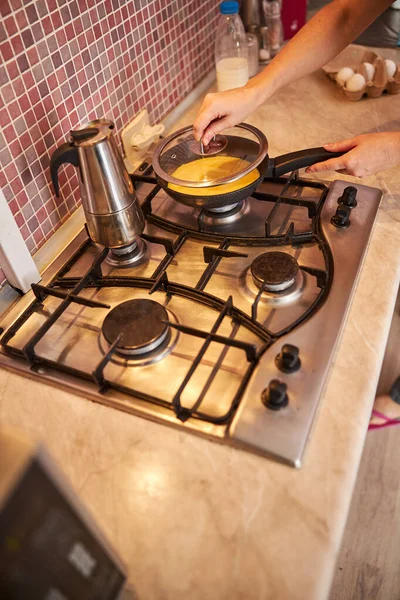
[243,346]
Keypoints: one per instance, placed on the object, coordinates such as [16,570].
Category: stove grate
[67,289]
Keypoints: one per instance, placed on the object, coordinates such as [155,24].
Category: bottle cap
[229,8]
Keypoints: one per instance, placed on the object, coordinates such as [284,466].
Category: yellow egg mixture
[209,168]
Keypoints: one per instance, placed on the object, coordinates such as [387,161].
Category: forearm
[320,40]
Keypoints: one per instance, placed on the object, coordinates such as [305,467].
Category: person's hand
[223,110]
[364,154]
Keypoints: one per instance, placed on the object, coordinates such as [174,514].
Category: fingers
[208,112]
[222,110]
[215,127]
[350,164]
[333,164]
[200,124]
[342,146]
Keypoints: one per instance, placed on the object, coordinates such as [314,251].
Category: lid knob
[217,145]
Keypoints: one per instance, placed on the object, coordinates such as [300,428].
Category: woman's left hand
[364,154]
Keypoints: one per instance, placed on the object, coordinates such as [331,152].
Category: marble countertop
[194,519]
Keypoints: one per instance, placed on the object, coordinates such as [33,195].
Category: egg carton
[381,81]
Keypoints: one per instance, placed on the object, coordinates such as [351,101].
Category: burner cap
[221,210]
[275,270]
[141,323]
[127,256]
[224,215]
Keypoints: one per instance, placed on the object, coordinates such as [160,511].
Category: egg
[391,67]
[370,71]
[212,167]
[344,74]
[355,83]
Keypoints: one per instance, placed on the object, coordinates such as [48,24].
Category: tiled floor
[368,564]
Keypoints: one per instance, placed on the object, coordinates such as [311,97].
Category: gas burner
[278,274]
[274,271]
[225,215]
[141,324]
[128,256]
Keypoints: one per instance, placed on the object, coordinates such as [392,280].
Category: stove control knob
[288,360]
[348,198]
[341,218]
[275,396]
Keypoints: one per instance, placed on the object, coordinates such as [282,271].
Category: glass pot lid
[181,160]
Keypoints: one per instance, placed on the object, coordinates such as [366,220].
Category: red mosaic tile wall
[68,61]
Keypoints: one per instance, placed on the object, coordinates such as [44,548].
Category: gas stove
[222,323]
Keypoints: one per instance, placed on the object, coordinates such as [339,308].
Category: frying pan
[268,168]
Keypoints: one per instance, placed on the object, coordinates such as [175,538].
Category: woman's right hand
[224,109]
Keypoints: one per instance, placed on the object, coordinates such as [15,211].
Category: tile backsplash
[68,61]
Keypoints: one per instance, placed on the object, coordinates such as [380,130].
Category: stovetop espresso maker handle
[297,160]
[66,153]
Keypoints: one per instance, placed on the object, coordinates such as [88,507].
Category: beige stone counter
[196,520]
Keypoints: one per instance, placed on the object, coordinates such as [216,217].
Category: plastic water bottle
[231,59]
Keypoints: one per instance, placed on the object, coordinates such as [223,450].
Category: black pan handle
[296,160]
[66,153]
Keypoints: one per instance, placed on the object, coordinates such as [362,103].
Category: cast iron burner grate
[68,288]
[284,198]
